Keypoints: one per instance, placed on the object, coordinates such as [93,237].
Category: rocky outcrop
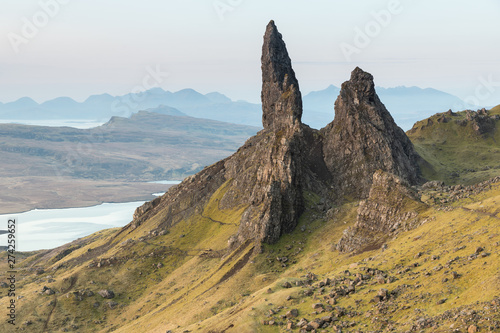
[364,138]
[439,193]
[269,174]
[482,123]
[390,208]
[273,180]
[281,98]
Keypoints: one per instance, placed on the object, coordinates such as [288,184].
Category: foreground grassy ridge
[144,270]
[417,262]
[198,289]
[456,153]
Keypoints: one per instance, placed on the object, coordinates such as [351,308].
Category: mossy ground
[443,236]
[455,153]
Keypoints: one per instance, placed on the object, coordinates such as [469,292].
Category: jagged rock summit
[267,179]
[281,98]
[364,138]
[266,176]
[197,244]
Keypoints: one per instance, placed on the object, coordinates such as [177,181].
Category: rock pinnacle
[364,138]
[281,98]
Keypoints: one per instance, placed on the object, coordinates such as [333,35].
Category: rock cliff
[267,174]
[281,98]
[270,173]
[391,207]
[364,138]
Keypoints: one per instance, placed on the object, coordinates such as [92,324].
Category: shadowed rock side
[269,174]
[281,98]
[364,138]
[390,208]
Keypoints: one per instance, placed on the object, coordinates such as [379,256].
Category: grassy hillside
[181,280]
[454,151]
[441,276]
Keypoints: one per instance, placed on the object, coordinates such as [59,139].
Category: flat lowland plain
[20,194]
[62,167]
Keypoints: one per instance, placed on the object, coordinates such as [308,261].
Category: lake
[49,228]
[81,124]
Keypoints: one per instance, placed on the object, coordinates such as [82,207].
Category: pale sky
[85,47]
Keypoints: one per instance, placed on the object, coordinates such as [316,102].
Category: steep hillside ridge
[441,276]
[459,147]
[273,170]
[364,138]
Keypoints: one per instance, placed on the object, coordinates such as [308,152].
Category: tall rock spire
[281,98]
[265,183]
[364,138]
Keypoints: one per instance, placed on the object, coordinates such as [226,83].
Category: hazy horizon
[83,99]
[57,48]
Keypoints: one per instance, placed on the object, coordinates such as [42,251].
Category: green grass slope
[454,152]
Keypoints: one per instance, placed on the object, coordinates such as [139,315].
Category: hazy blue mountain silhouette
[189,102]
[406,104]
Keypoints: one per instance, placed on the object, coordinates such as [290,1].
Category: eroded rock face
[274,177]
[266,174]
[273,181]
[281,98]
[269,175]
[390,208]
[364,138]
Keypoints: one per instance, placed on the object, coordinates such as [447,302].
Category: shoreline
[23,194]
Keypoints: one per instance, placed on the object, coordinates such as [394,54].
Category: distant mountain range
[407,105]
[213,106]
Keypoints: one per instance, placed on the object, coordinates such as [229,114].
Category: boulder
[105,293]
